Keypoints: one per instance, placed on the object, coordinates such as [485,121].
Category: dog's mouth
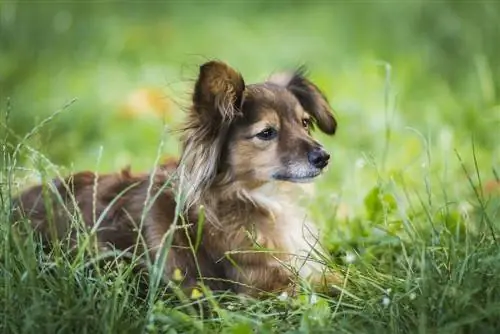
[299,178]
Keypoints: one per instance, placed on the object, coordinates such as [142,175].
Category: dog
[228,206]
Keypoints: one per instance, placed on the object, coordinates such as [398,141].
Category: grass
[409,207]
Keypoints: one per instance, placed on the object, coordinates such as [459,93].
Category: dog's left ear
[310,97]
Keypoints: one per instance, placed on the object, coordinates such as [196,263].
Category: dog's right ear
[218,92]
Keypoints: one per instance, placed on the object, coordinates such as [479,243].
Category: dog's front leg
[260,280]
[326,282]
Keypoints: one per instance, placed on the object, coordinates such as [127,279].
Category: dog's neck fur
[271,213]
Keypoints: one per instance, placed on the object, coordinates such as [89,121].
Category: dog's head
[254,133]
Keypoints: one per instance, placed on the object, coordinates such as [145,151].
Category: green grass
[405,206]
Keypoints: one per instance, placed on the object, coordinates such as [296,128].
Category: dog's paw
[328,283]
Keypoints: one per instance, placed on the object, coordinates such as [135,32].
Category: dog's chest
[290,226]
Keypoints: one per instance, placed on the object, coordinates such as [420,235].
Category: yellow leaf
[177,276]
[196,294]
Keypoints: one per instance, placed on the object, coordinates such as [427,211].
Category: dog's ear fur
[310,97]
[217,100]
[218,92]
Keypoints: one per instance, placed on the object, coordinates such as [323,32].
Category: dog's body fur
[246,151]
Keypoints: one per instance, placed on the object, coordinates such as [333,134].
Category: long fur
[230,175]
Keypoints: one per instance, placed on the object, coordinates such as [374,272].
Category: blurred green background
[410,81]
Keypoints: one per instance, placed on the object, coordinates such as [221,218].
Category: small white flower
[360,163]
[445,138]
[386,301]
[388,291]
[283,296]
[464,208]
[413,295]
[350,257]
[314,299]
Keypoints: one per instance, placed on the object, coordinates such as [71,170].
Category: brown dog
[246,149]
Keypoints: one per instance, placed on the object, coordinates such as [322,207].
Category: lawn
[409,208]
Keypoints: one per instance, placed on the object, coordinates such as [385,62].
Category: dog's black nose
[318,157]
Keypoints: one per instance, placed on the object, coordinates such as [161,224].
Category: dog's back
[104,202]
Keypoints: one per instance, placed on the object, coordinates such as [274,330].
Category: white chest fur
[299,236]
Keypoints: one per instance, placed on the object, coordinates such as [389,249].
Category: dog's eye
[267,134]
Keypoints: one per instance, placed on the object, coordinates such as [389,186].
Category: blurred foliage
[411,82]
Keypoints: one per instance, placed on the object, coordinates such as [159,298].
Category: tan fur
[246,149]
